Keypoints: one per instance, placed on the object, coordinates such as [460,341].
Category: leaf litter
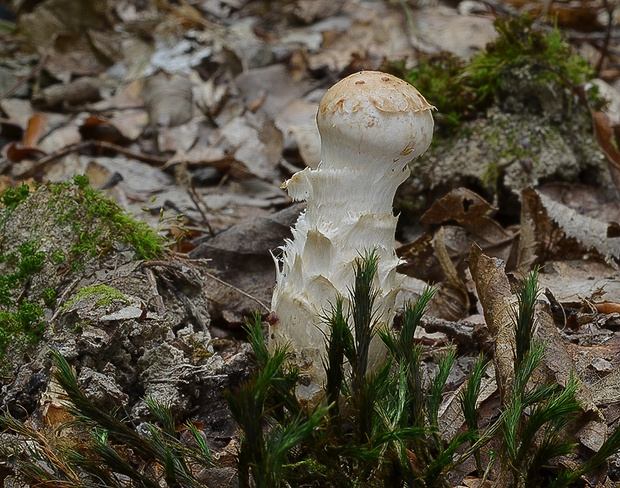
[199,110]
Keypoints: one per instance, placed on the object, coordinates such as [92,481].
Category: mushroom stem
[371,125]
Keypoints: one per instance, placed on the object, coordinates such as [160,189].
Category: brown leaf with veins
[475,215]
[419,258]
[557,367]
[471,211]
[452,297]
[498,303]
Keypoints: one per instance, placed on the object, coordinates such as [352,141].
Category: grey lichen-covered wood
[130,328]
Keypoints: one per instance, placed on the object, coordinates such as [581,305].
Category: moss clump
[105,296]
[548,58]
[49,296]
[43,229]
[20,319]
[99,222]
[20,323]
[461,89]
[440,78]
[12,197]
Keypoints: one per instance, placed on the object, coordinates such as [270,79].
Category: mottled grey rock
[102,389]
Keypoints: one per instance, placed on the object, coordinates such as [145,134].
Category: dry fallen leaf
[168,100]
[499,306]
[77,92]
[255,143]
[53,406]
[419,259]
[451,417]
[558,367]
[469,210]
[243,270]
[276,83]
[498,302]
[452,297]
[61,138]
[15,152]
[474,214]
[297,122]
[605,138]
[18,111]
[472,482]
[36,128]
[99,128]
[557,231]
[588,232]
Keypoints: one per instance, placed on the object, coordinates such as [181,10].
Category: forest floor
[191,114]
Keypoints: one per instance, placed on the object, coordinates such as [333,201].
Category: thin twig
[184,180]
[30,75]
[244,293]
[40,163]
[166,264]
[80,146]
[145,158]
[605,47]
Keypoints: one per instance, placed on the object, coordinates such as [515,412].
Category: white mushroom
[371,125]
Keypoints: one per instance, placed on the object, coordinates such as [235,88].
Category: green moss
[105,296]
[49,297]
[22,324]
[200,349]
[12,197]
[20,319]
[439,78]
[461,89]
[490,178]
[81,181]
[547,57]
[58,256]
[31,259]
[80,326]
[99,223]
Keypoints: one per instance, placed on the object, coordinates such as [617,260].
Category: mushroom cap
[375,114]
